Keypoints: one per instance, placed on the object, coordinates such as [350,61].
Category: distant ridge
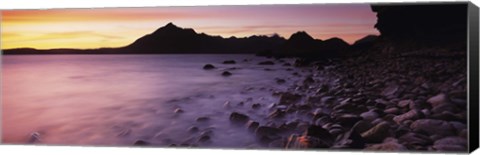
[171,39]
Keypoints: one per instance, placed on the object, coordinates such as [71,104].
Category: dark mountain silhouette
[173,39]
[302,44]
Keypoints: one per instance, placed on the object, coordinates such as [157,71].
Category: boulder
[433,127]
[239,118]
[266,63]
[451,144]
[226,73]
[378,133]
[288,98]
[229,62]
[252,125]
[410,115]
[438,100]
[141,143]
[208,67]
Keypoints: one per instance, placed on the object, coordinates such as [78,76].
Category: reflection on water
[117,99]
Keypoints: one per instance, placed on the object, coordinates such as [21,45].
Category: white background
[78,150]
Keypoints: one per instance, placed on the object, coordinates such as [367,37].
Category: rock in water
[252,125]
[390,90]
[208,67]
[239,118]
[141,143]
[178,110]
[410,115]
[266,63]
[288,98]
[226,73]
[34,137]
[378,133]
[229,62]
[267,134]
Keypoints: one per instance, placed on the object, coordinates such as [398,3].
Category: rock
[391,145]
[348,119]
[204,138]
[390,90]
[229,62]
[308,80]
[280,81]
[451,144]
[279,143]
[266,63]
[202,119]
[369,115]
[378,133]
[141,143]
[208,67]
[320,133]
[433,127]
[404,103]
[350,140]
[304,142]
[266,134]
[252,125]
[444,107]
[239,118]
[193,129]
[410,115]
[392,110]
[226,73]
[438,99]
[34,137]
[227,104]
[178,110]
[288,98]
[276,114]
[414,139]
[287,64]
[256,105]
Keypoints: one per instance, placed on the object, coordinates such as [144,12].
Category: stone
[204,138]
[202,119]
[392,110]
[266,63]
[369,115]
[193,129]
[208,67]
[178,110]
[239,118]
[226,73]
[414,139]
[34,137]
[141,143]
[277,114]
[280,81]
[438,99]
[266,133]
[229,62]
[433,127]
[404,103]
[348,119]
[288,98]
[410,115]
[256,105]
[451,144]
[390,90]
[378,133]
[391,145]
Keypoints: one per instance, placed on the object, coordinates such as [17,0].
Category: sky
[117,27]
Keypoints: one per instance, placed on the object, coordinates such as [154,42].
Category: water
[114,100]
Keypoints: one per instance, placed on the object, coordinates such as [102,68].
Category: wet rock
[392,110]
[350,140]
[178,110]
[277,114]
[229,62]
[413,139]
[433,127]
[204,138]
[288,98]
[314,137]
[279,143]
[34,137]
[390,90]
[348,119]
[252,125]
[208,67]
[266,63]
[369,115]
[378,133]
[308,80]
[390,145]
[193,129]
[445,107]
[239,118]
[226,73]
[404,103]
[202,119]
[267,134]
[287,64]
[141,143]
[438,100]
[256,105]
[451,144]
[280,81]
[410,115]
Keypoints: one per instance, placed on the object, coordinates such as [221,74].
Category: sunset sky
[115,27]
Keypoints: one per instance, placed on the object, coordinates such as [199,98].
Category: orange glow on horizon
[116,27]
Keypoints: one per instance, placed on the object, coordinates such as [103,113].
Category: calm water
[117,99]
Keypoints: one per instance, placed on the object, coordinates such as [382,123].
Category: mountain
[171,39]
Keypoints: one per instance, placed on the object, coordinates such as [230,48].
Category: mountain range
[171,39]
